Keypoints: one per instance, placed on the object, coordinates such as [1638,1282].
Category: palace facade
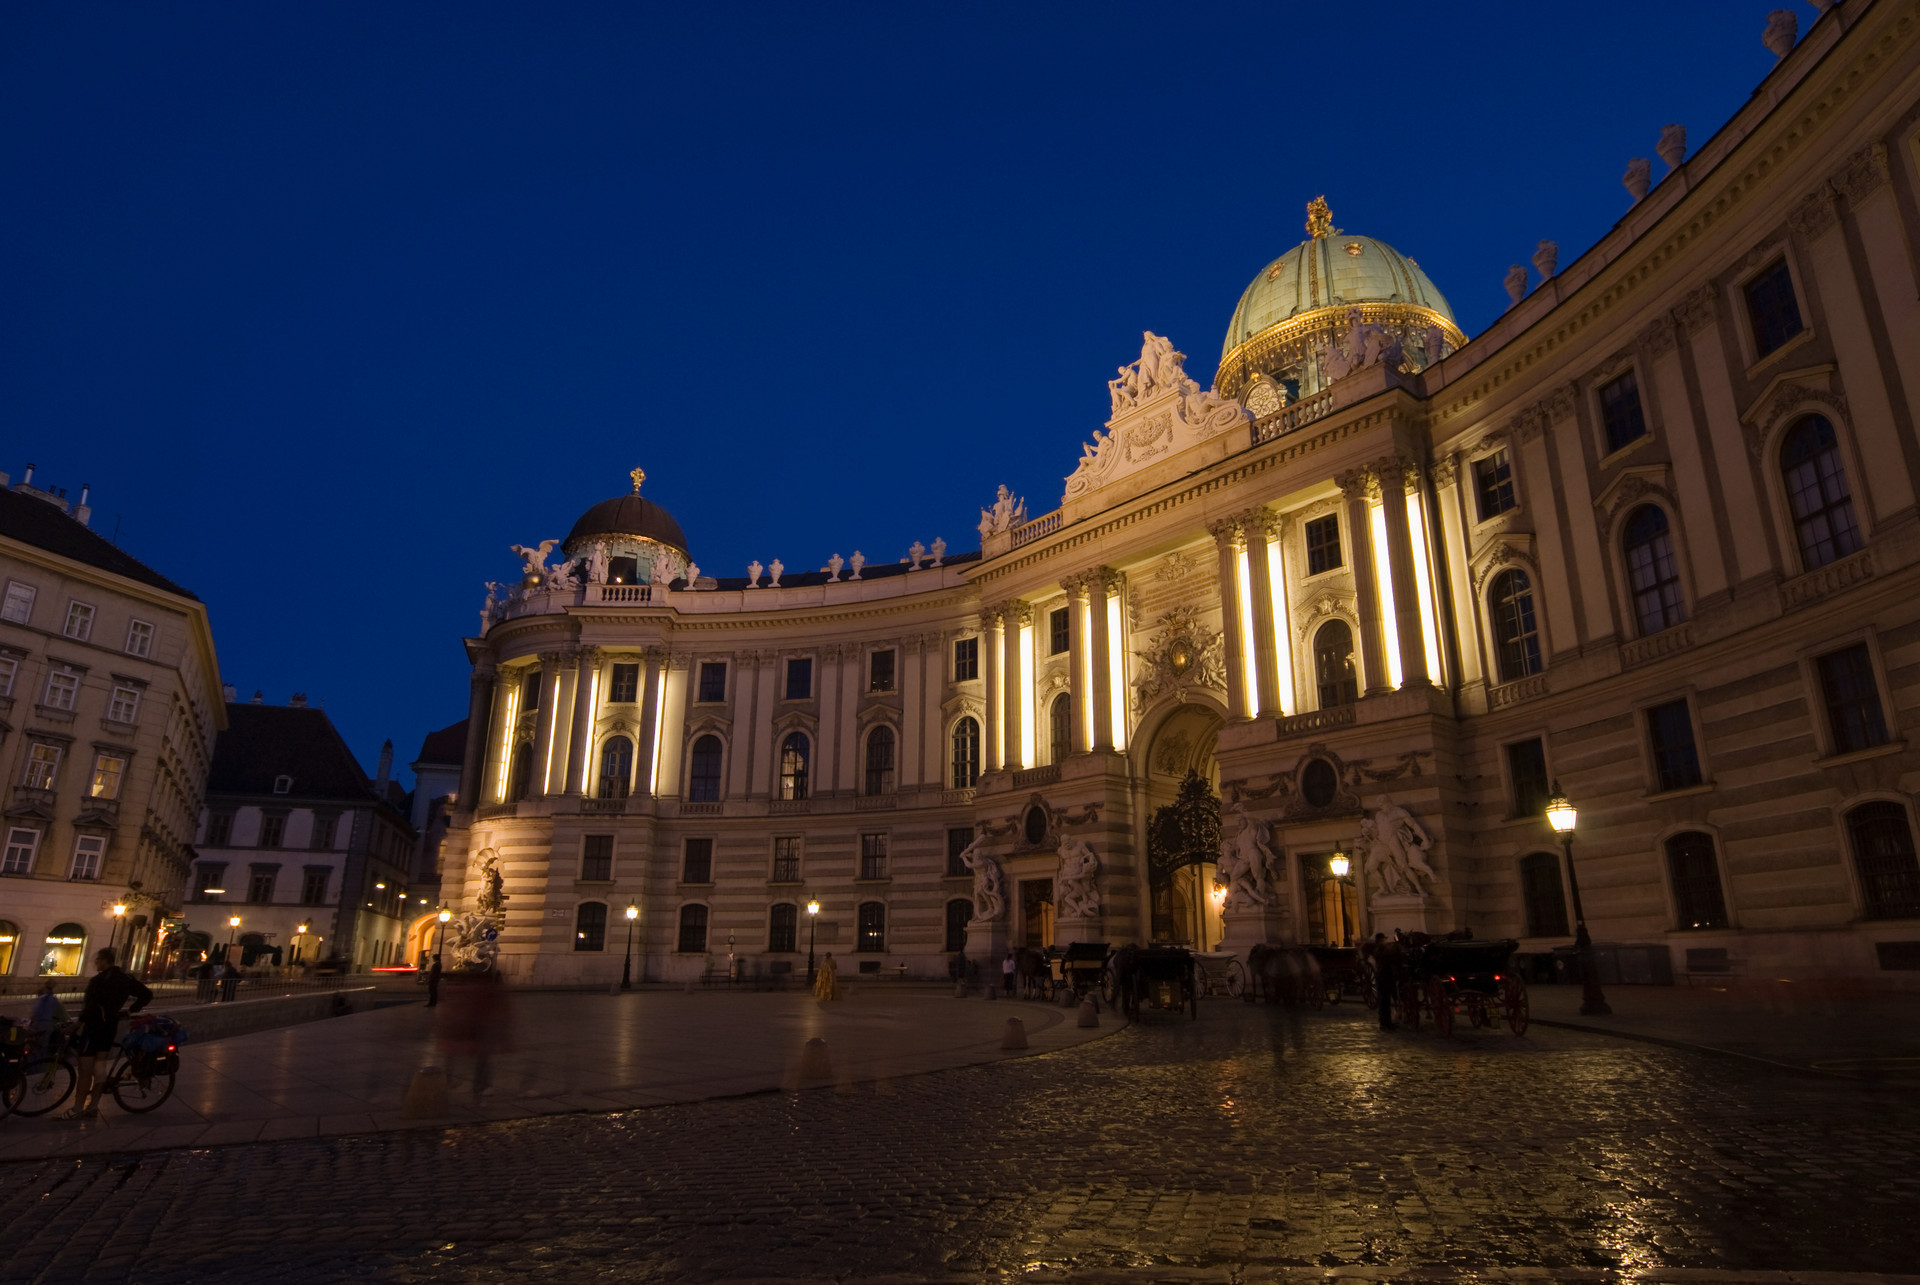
[1651,538]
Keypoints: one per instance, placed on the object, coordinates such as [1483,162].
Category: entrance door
[1332,907]
[1036,912]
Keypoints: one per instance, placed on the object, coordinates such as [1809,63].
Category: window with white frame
[63,689]
[88,850]
[139,638]
[22,843]
[18,606]
[8,668]
[43,764]
[108,771]
[79,626]
[124,705]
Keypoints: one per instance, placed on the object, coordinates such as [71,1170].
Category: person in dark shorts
[100,1015]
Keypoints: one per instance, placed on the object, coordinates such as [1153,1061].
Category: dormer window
[283,785]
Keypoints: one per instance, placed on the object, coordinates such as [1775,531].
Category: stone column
[497,752]
[649,716]
[990,739]
[1103,582]
[1395,474]
[1226,538]
[580,735]
[1266,674]
[552,692]
[1081,673]
[1356,485]
[1014,619]
[473,757]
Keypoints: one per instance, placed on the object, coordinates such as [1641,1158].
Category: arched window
[1333,665]
[616,768]
[783,928]
[794,753]
[9,941]
[872,931]
[65,947]
[1060,726]
[959,915]
[693,929]
[1653,573]
[966,754]
[1541,892]
[1883,854]
[880,761]
[1516,635]
[590,926]
[703,775]
[1817,493]
[1697,899]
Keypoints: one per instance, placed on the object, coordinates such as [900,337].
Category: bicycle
[140,1075]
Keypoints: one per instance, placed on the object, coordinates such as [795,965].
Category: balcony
[876,802]
[625,593]
[1045,524]
[705,808]
[603,807]
[1824,582]
[1318,720]
[98,811]
[1289,419]
[1513,693]
[492,811]
[1046,775]
[1668,641]
[788,807]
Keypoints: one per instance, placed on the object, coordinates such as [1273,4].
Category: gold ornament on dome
[1353,248]
[1319,218]
[638,475]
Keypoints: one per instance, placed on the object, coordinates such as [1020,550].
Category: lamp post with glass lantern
[233,930]
[300,931]
[1562,816]
[1339,864]
[445,916]
[813,913]
[626,968]
[119,913]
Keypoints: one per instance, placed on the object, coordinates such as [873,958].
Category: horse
[1035,972]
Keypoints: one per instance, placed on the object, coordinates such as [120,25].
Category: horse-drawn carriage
[1081,968]
[1455,974]
[1163,977]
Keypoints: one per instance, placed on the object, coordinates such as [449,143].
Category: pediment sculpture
[1008,512]
[1157,409]
[1393,850]
[1366,344]
[1188,653]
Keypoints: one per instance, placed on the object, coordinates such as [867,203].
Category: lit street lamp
[1562,817]
[813,913]
[445,915]
[626,967]
[300,931]
[119,913]
[1339,863]
[233,930]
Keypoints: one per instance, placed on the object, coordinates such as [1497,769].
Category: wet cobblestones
[1246,1146]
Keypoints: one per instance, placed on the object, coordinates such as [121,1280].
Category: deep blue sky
[333,302]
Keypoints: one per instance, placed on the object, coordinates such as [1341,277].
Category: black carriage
[1082,967]
[1342,974]
[1447,976]
[1163,977]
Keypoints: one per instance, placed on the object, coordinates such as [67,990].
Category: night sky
[331,303]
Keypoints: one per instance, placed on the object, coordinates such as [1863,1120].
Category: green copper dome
[1330,271]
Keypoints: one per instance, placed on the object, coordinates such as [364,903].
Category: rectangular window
[79,626]
[43,765]
[530,689]
[139,638]
[596,858]
[313,886]
[18,606]
[625,688]
[273,828]
[63,689]
[1493,484]
[1542,895]
[1323,545]
[880,671]
[125,705]
[1059,631]
[958,837]
[219,829]
[323,829]
[1697,899]
[8,668]
[108,769]
[713,681]
[786,858]
[873,856]
[873,928]
[88,850]
[1772,308]
[799,679]
[590,926]
[209,880]
[1676,763]
[1527,767]
[783,929]
[693,930]
[966,660]
[260,884]
[22,843]
[1620,412]
[698,867]
[1853,699]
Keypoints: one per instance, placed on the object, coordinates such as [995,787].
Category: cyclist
[100,1015]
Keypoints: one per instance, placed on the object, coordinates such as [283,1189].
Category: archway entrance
[1183,827]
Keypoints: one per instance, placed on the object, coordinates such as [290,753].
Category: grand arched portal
[1183,826]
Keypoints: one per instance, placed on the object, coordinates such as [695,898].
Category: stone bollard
[1089,1013]
[814,1062]
[1016,1036]
[993,992]
[426,1095]
[1067,1000]
[959,990]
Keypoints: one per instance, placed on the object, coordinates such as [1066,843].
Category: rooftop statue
[1006,514]
[533,561]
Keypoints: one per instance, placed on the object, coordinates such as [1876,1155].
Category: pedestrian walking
[46,1017]
[1007,970]
[203,976]
[1385,975]
[229,980]
[476,1022]
[433,984]
[100,1014]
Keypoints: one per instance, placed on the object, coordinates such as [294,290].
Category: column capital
[552,660]
[590,657]
[1227,530]
[1396,466]
[1446,470]
[1013,612]
[1075,584]
[484,672]
[1107,579]
[1357,483]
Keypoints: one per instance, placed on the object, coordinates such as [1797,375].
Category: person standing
[1385,976]
[433,984]
[100,1015]
[1007,970]
[826,984]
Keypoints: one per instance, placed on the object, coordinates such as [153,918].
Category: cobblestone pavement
[1245,1146]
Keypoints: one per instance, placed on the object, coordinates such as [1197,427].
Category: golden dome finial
[638,475]
[1319,218]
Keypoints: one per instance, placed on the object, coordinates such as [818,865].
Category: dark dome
[631,516]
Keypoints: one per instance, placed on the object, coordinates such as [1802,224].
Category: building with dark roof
[110,702]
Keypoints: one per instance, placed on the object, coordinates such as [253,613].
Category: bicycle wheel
[11,1095]
[140,1093]
[48,1082]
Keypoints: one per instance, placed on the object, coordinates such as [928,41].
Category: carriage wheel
[1513,998]
[1410,1006]
[1369,992]
[1442,1006]
[1237,982]
[1334,991]
[1316,992]
[1106,986]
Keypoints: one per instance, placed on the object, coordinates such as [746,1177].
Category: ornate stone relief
[1328,603]
[1187,654]
[1174,568]
[1696,311]
[1292,787]
[1632,486]
[1506,551]
[1863,173]
[1813,215]
[1157,410]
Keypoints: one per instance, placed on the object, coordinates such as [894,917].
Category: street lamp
[626,967]
[300,931]
[233,929]
[1562,817]
[813,913]
[1339,863]
[119,913]
[445,916]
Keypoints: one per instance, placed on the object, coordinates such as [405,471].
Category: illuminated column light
[553,734]
[1025,679]
[506,745]
[593,725]
[659,713]
[1116,674]
[1249,649]
[1282,629]
[1423,577]
[1081,703]
[1383,577]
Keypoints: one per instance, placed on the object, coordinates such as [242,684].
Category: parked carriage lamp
[1560,813]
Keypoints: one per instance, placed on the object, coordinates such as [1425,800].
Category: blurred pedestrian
[46,1016]
[826,985]
[1385,975]
[203,975]
[433,984]
[476,1021]
[229,980]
